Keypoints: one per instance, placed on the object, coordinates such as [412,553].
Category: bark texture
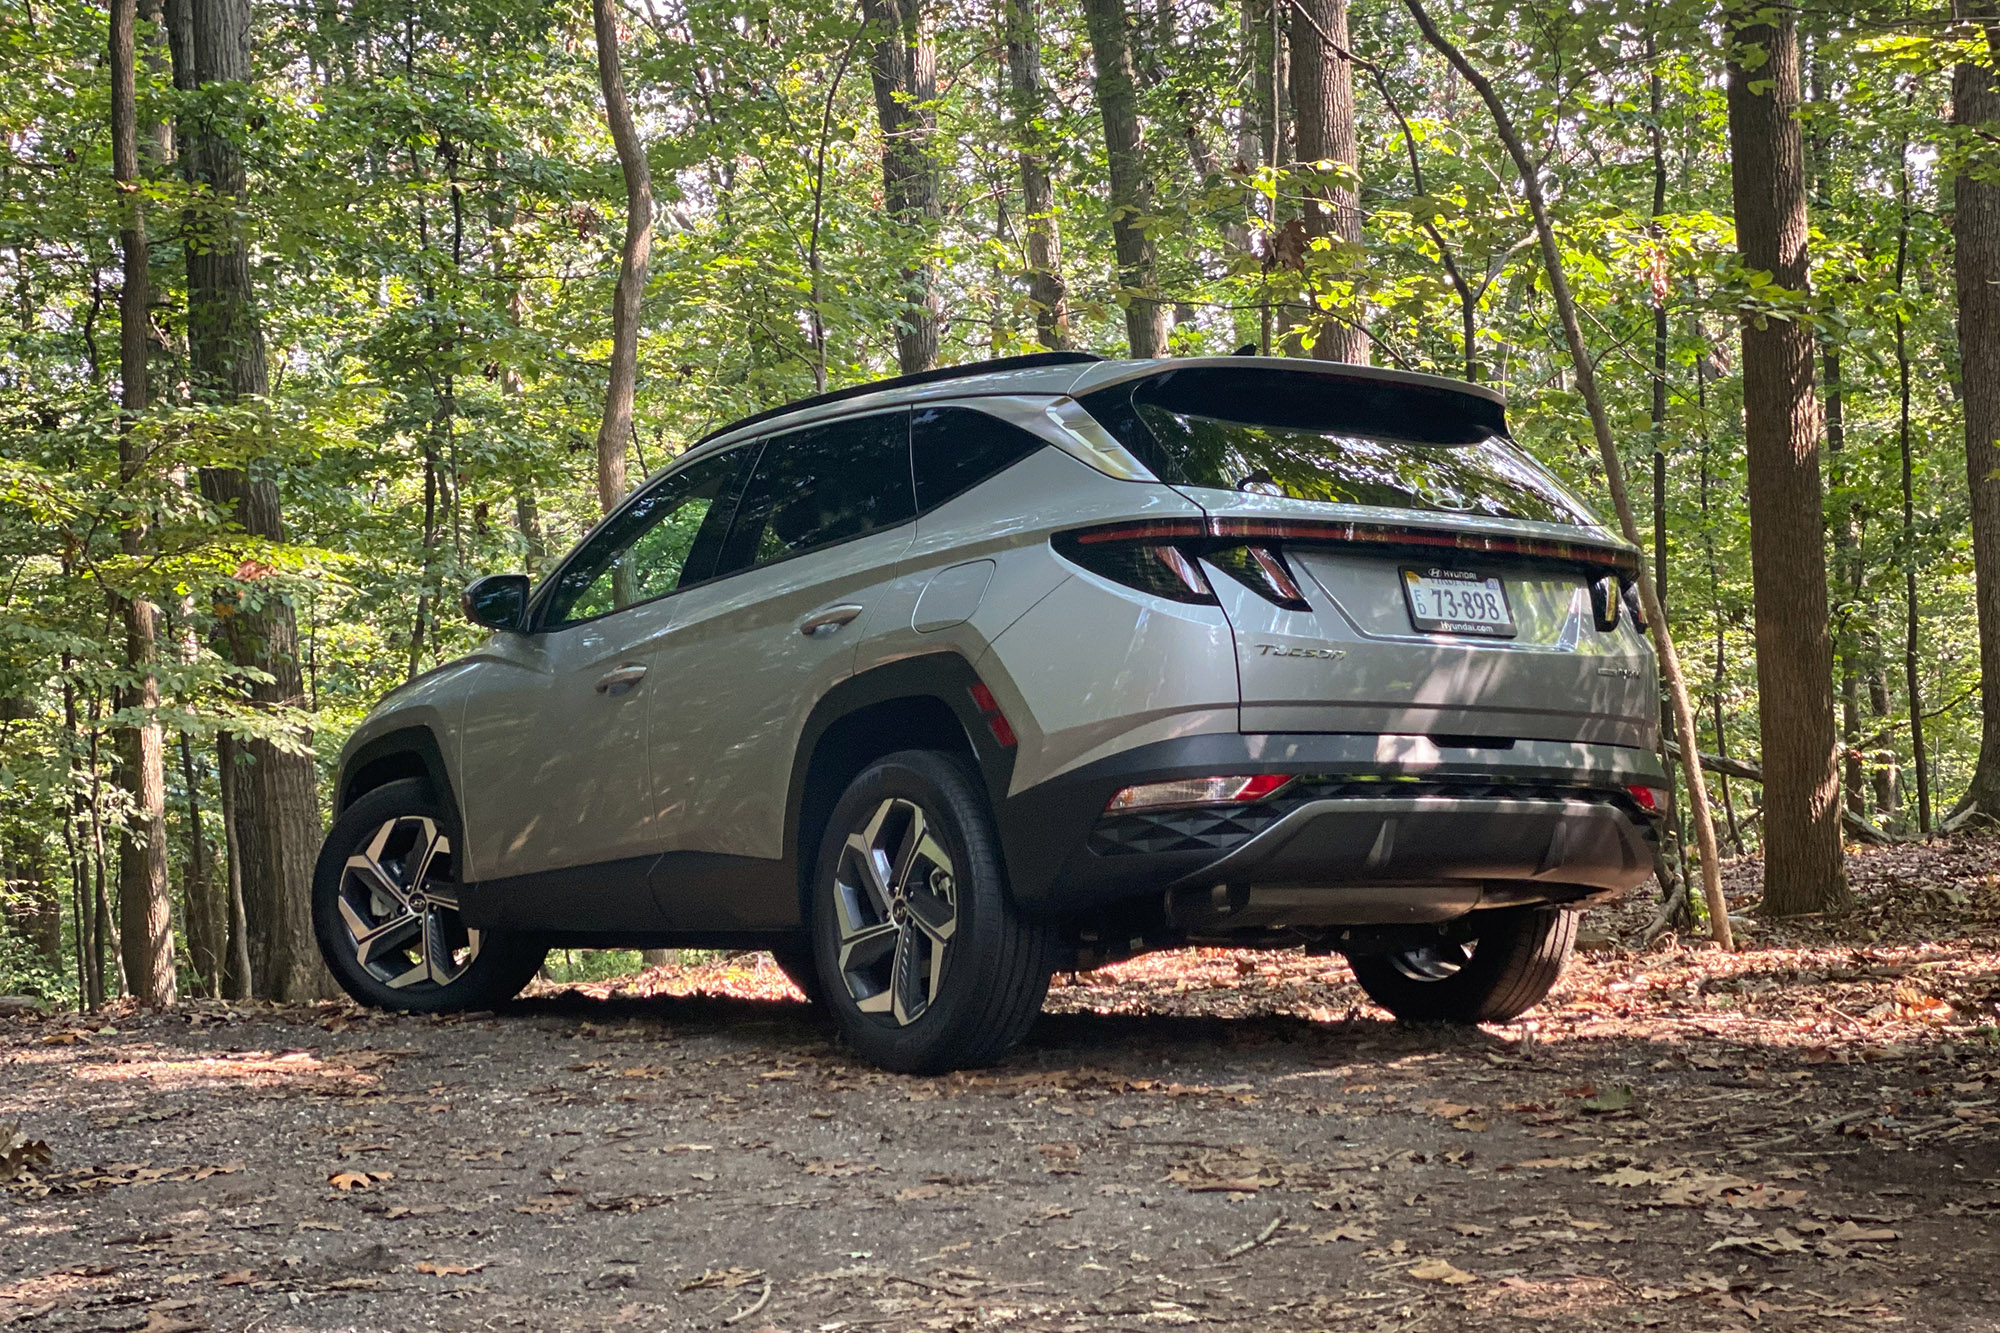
[1803,866]
[1028,104]
[903,68]
[1976,234]
[616,428]
[1329,157]
[1131,193]
[146,925]
[280,828]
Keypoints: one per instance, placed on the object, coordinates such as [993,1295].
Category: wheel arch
[917,703]
[407,752]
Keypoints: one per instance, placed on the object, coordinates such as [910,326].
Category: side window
[821,485]
[666,538]
[953,449]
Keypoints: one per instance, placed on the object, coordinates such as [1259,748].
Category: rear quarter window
[953,449]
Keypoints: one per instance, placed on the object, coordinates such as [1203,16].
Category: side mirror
[498,601]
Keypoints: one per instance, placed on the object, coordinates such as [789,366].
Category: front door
[555,748]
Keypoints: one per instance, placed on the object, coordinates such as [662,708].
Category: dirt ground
[1805,1134]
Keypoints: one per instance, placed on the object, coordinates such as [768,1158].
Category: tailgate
[1476,628]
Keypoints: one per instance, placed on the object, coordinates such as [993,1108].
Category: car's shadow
[1057,1039]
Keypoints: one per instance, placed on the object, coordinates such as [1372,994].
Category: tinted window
[953,449]
[663,540]
[1319,438]
[822,485]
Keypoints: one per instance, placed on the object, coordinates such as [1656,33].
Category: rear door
[824,517]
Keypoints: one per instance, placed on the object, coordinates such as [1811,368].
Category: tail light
[1198,791]
[1135,556]
[1261,569]
[1606,598]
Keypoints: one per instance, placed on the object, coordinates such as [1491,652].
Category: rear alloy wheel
[386,911]
[921,955]
[1507,967]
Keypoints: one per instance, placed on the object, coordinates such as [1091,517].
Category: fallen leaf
[447,1270]
[1849,1232]
[1441,1270]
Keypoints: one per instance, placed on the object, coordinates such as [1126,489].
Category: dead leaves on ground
[347,1182]
[20,1156]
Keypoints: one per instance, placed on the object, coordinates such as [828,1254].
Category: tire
[927,966]
[1506,970]
[381,951]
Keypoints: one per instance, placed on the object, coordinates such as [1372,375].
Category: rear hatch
[1390,562]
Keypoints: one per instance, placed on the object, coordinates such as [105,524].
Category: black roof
[994,366]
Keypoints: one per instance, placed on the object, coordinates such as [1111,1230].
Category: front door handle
[621,680]
[829,619]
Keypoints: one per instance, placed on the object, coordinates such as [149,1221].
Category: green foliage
[435,210]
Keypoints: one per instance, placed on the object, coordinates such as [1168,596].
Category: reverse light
[1198,791]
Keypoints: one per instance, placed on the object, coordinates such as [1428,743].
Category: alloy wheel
[399,903]
[896,899]
[1432,962]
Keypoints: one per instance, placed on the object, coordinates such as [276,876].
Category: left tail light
[1198,791]
[1142,556]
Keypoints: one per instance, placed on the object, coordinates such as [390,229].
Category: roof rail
[996,365]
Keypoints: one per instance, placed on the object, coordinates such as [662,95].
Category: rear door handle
[621,680]
[829,619]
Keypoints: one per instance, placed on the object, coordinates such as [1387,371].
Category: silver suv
[937,685]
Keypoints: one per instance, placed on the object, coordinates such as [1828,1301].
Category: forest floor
[1805,1134]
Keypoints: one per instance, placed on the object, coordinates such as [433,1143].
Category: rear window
[1313,437]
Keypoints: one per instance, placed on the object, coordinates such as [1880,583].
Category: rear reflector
[1653,800]
[1198,791]
[996,721]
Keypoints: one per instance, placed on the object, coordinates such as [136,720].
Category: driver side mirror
[498,601]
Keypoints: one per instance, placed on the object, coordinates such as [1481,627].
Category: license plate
[1457,601]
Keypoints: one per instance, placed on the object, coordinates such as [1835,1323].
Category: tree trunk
[237,973]
[1803,866]
[1976,231]
[280,828]
[1028,104]
[1329,158]
[904,71]
[615,430]
[1912,624]
[145,901]
[204,909]
[1131,194]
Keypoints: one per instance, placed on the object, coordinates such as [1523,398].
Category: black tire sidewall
[505,963]
[955,805]
[1506,966]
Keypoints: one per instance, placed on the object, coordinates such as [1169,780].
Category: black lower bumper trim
[1368,811]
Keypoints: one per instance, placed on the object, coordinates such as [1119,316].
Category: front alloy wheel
[386,910]
[399,904]
[897,899]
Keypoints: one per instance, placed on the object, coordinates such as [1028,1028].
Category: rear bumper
[1376,829]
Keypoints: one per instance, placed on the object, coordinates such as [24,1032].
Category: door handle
[621,680]
[829,619]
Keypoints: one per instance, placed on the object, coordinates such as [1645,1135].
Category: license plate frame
[1421,591]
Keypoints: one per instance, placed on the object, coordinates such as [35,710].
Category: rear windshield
[1311,437]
